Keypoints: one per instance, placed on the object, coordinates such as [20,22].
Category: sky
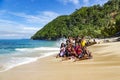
[20,19]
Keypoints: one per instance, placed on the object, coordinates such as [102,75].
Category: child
[62,50]
[73,52]
[68,50]
[78,50]
[87,52]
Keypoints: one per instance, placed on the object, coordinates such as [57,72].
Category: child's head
[83,37]
[67,41]
[76,44]
[62,45]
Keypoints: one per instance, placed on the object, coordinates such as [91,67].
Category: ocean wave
[19,52]
[13,62]
[25,59]
[59,41]
[34,49]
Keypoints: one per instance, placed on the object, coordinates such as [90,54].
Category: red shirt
[78,49]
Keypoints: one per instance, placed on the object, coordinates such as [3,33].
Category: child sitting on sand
[73,51]
[84,48]
[68,50]
[87,52]
[78,50]
[62,50]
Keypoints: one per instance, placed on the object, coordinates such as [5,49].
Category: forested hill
[94,21]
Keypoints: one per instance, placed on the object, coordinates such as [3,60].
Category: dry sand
[105,65]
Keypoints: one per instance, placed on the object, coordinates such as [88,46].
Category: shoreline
[102,66]
[27,62]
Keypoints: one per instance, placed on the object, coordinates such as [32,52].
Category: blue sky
[22,18]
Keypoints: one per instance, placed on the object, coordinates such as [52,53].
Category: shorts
[80,55]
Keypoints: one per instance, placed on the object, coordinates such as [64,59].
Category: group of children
[74,48]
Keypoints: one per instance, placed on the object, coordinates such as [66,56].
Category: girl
[78,50]
[62,50]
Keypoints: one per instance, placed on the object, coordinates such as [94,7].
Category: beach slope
[105,65]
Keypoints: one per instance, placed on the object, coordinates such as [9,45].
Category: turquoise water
[9,46]
[21,51]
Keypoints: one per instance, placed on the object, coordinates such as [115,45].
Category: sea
[16,52]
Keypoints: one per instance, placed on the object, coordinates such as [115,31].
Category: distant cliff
[94,21]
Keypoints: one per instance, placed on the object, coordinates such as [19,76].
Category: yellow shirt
[83,43]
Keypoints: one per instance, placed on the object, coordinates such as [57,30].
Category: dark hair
[83,37]
[62,45]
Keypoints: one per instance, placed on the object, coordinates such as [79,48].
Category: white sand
[105,65]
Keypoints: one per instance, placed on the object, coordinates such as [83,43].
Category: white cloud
[80,3]
[12,35]
[50,14]
[75,2]
[30,28]
[25,29]
[41,18]
[9,35]
[12,29]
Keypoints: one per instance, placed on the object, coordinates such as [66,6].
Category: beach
[105,65]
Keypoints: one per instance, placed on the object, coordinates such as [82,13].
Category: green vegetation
[95,21]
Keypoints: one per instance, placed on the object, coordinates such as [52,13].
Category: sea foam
[27,55]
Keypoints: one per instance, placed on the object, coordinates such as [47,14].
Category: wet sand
[105,65]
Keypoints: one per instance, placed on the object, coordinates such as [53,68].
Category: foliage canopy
[95,21]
